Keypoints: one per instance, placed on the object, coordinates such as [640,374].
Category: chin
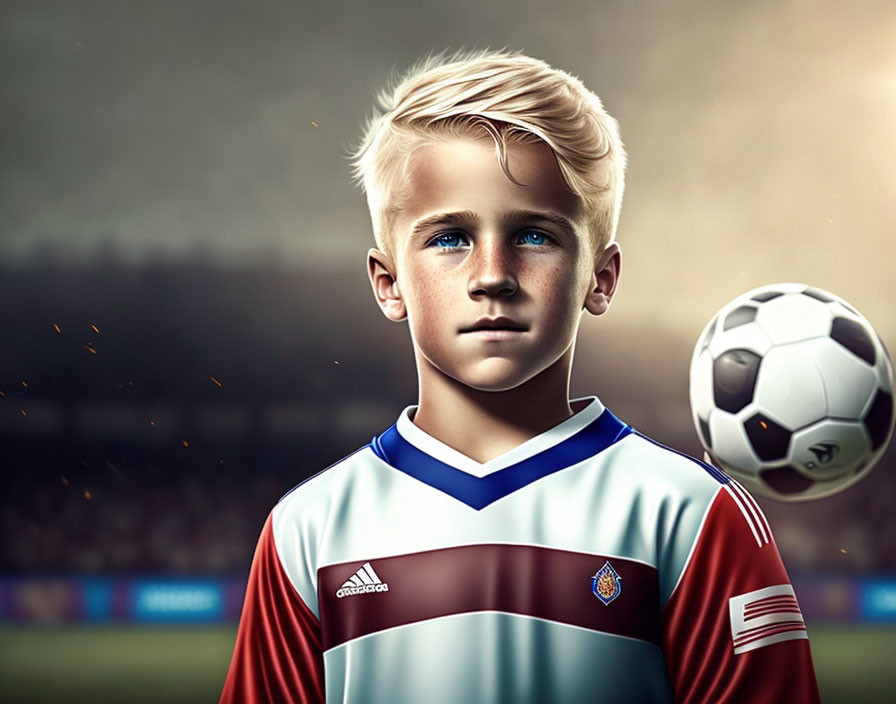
[496,379]
[495,387]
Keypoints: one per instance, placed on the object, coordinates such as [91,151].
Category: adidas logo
[361,582]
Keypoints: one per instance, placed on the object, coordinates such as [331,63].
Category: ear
[381,272]
[604,280]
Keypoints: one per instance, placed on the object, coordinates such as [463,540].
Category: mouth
[495,325]
[495,334]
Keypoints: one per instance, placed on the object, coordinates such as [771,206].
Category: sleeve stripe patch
[758,511]
[765,616]
[755,517]
[760,541]
[754,510]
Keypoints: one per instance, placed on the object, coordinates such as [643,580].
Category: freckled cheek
[429,301]
[556,291]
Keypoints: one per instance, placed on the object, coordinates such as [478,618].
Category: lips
[499,323]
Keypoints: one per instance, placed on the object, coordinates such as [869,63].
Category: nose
[492,270]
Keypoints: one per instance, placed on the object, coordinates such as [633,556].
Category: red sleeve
[732,629]
[277,658]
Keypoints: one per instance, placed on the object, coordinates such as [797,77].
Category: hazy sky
[761,135]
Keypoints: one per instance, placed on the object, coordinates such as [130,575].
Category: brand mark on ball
[824,451]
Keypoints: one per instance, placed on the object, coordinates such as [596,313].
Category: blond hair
[512,98]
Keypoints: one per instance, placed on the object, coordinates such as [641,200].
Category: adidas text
[348,591]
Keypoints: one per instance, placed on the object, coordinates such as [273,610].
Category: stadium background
[188,330]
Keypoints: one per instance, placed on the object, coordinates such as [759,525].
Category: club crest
[606,583]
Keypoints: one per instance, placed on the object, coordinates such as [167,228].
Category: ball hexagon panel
[840,309]
[732,449]
[769,440]
[734,379]
[884,368]
[704,434]
[829,449]
[701,385]
[819,295]
[882,362]
[764,296]
[849,382]
[791,384]
[793,318]
[879,419]
[786,481]
[739,316]
[855,337]
[745,337]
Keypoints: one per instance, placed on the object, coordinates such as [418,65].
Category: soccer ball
[791,392]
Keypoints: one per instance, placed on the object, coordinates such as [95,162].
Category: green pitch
[143,664]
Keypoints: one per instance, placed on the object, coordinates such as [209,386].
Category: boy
[501,542]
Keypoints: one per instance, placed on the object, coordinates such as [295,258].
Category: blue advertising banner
[877,600]
[66,599]
[175,600]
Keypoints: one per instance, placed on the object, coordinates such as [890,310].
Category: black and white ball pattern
[791,392]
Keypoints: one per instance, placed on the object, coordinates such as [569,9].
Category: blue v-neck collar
[560,447]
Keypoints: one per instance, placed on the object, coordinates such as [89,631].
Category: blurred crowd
[182,529]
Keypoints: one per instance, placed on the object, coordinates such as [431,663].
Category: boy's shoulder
[324,480]
[675,464]
[663,480]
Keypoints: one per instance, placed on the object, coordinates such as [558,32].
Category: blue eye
[449,240]
[533,237]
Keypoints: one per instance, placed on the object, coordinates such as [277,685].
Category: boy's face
[470,245]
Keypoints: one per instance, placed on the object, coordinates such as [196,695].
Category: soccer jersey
[588,563]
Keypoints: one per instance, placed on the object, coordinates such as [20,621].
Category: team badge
[606,583]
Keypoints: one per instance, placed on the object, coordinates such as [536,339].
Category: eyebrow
[554,218]
[443,219]
[515,217]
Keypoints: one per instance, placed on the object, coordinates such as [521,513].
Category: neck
[485,424]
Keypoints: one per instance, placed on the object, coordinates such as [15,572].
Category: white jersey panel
[494,657]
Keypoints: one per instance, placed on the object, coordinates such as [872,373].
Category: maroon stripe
[770,600]
[767,633]
[774,610]
[518,579]
[770,605]
[756,629]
